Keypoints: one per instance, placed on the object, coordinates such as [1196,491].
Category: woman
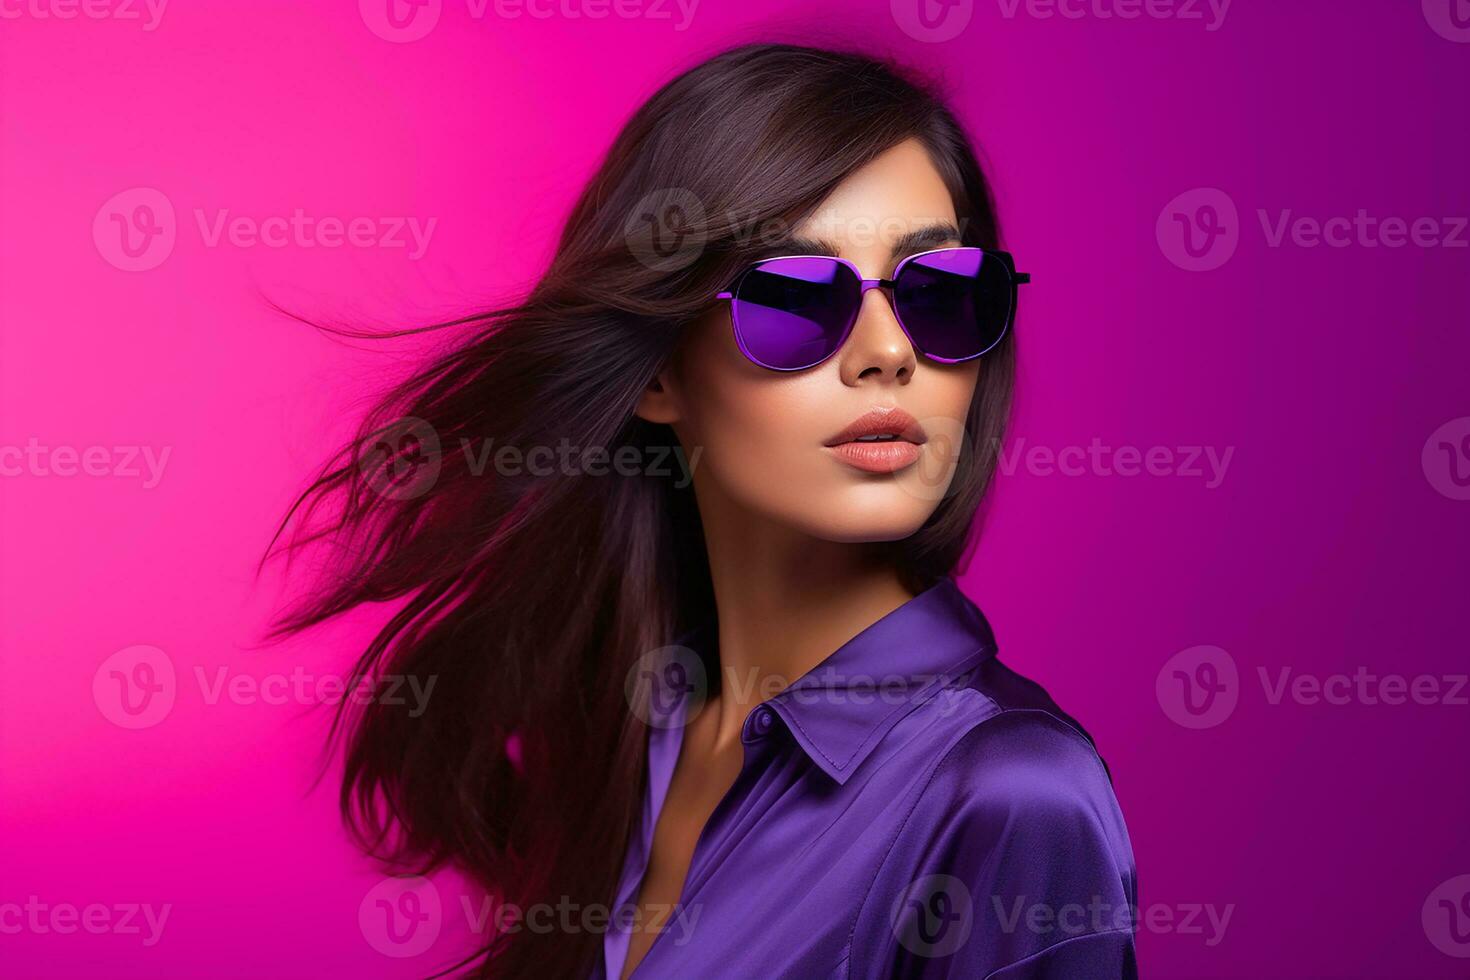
[710,670]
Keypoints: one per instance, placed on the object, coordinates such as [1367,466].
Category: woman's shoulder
[1014,824]
[1011,746]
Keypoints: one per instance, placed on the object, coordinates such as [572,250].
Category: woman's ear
[658,402]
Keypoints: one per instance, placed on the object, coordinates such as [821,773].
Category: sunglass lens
[955,302]
[793,313]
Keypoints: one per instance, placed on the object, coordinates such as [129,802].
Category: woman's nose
[877,350]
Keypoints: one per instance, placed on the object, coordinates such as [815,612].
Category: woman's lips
[877,457]
[881,441]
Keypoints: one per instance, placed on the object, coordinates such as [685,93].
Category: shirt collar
[840,710]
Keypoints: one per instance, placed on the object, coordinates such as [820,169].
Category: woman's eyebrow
[911,242]
[923,239]
[796,245]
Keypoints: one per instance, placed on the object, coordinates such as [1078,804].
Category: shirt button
[764,719]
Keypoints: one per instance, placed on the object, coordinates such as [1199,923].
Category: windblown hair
[528,598]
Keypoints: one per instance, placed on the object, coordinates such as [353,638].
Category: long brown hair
[529,598]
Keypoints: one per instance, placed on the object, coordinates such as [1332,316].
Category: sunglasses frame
[1017,279]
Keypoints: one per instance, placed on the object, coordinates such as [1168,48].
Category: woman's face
[766,439]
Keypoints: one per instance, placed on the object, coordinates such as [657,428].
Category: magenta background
[1325,549]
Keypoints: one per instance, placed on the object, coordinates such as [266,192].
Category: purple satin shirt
[909,808]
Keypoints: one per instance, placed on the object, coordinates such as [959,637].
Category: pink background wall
[1334,542]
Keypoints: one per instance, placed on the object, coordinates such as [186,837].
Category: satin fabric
[911,807]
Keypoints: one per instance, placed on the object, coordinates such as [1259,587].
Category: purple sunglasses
[793,312]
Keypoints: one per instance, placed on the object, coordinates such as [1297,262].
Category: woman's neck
[785,602]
